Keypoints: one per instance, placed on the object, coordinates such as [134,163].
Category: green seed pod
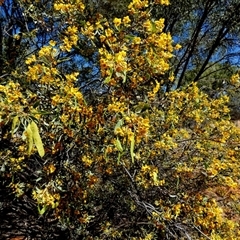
[29,138]
[37,139]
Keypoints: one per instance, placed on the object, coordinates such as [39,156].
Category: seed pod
[37,139]
[29,138]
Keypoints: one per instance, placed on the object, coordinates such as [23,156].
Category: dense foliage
[133,161]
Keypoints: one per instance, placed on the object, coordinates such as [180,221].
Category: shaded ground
[20,220]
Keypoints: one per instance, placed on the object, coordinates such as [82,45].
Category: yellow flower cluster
[70,7]
[149,236]
[87,161]
[117,106]
[18,188]
[215,167]
[152,94]
[70,39]
[166,143]
[31,59]
[142,126]
[124,131]
[17,163]
[110,231]
[162,2]
[12,92]
[45,53]
[111,63]
[132,59]
[153,179]
[228,181]
[135,126]
[154,26]
[137,4]
[235,80]
[50,168]
[46,198]
[209,215]
[118,21]
[183,168]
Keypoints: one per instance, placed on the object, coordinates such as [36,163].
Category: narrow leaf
[42,211]
[15,122]
[118,145]
[119,157]
[118,125]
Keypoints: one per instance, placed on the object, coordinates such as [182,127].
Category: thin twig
[202,233]
[128,173]
[4,75]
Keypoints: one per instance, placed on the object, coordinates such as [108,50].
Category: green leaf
[119,157]
[118,145]
[107,80]
[15,122]
[36,104]
[119,124]
[42,211]
[130,37]
[141,107]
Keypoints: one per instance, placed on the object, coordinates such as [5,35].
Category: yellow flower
[126,20]
[56,100]
[148,25]
[159,24]
[162,2]
[137,40]
[46,198]
[117,22]
[178,46]
[168,215]
[137,4]
[51,168]
[149,236]
[108,32]
[52,43]
[171,77]
[145,169]
[151,95]
[117,107]
[177,209]
[235,79]
[229,182]
[120,56]
[87,161]
[98,26]
[31,59]
[45,51]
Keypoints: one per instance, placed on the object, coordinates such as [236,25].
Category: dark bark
[184,61]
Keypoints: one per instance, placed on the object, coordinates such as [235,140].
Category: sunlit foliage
[139,163]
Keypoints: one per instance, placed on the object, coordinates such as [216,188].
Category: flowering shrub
[139,163]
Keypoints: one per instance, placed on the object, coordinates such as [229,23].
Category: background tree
[208,32]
